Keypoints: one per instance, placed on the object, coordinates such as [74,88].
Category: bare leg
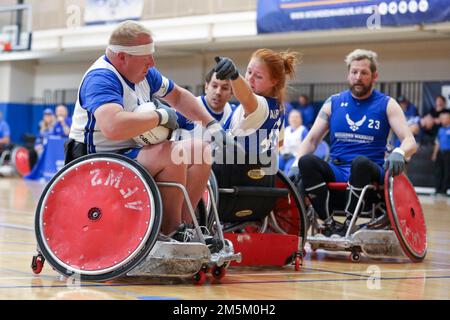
[198,173]
[157,160]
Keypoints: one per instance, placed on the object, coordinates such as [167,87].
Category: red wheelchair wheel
[21,160]
[406,216]
[98,217]
[289,211]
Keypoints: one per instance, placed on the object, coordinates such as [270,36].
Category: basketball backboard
[15,27]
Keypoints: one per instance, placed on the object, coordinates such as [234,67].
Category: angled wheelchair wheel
[20,157]
[290,212]
[406,216]
[98,217]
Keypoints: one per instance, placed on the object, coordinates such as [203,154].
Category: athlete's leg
[198,172]
[315,174]
[157,160]
[363,172]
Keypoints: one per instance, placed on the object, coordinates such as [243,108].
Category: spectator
[307,110]
[428,130]
[45,129]
[441,154]
[409,109]
[293,136]
[440,105]
[5,134]
[412,118]
[63,122]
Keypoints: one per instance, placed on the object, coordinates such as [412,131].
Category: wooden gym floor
[324,275]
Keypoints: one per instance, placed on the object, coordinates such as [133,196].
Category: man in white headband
[103,120]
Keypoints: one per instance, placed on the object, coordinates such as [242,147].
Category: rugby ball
[155,135]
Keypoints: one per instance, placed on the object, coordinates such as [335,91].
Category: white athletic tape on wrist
[142,50]
[164,116]
[398,150]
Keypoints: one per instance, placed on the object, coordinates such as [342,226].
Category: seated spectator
[63,122]
[5,134]
[441,154]
[409,108]
[45,129]
[293,136]
[307,110]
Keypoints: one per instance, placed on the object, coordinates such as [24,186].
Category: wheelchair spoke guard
[98,217]
[406,216]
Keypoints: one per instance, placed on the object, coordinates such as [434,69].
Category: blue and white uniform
[357,128]
[186,126]
[259,132]
[102,84]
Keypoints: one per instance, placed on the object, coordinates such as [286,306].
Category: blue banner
[301,15]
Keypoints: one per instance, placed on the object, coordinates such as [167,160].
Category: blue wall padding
[24,118]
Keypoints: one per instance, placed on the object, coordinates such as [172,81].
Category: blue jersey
[259,132]
[221,117]
[358,127]
[58,129]
[103,84]
[444,138]
[4,129]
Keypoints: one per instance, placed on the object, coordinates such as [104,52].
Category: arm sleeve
[160,86]
[99,87]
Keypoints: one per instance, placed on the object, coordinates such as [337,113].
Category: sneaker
[183,233]
[331,227]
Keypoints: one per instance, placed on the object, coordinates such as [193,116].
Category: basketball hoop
[5,46]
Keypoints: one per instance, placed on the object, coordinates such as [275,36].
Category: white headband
[142,50]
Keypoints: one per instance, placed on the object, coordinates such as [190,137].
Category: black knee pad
[307,162]
[360,163]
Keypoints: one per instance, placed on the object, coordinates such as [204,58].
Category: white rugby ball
[155,135]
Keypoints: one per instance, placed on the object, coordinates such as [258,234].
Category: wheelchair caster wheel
[355,256]
[199,278]
[37,263]
[218,272]
[297,263]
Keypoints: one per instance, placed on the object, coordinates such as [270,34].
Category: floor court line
[82,285]
[16,226]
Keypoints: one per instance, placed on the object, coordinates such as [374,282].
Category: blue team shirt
[102,86]
[58,128]
[4,129]
[359,127]
[186,124]
[308,113]
[266,136]
[444,138]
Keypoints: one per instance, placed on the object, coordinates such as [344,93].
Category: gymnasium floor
[324,275]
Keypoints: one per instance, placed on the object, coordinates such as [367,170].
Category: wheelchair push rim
[98,217]
[406,216]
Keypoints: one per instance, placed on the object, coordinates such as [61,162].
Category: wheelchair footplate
[180,259]
[372,243]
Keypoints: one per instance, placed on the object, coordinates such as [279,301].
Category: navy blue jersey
[359,127]
[259,132]
[221,117]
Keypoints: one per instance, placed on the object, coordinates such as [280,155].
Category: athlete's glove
[395,163]
[167,116]
[224,143]
[225,69]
